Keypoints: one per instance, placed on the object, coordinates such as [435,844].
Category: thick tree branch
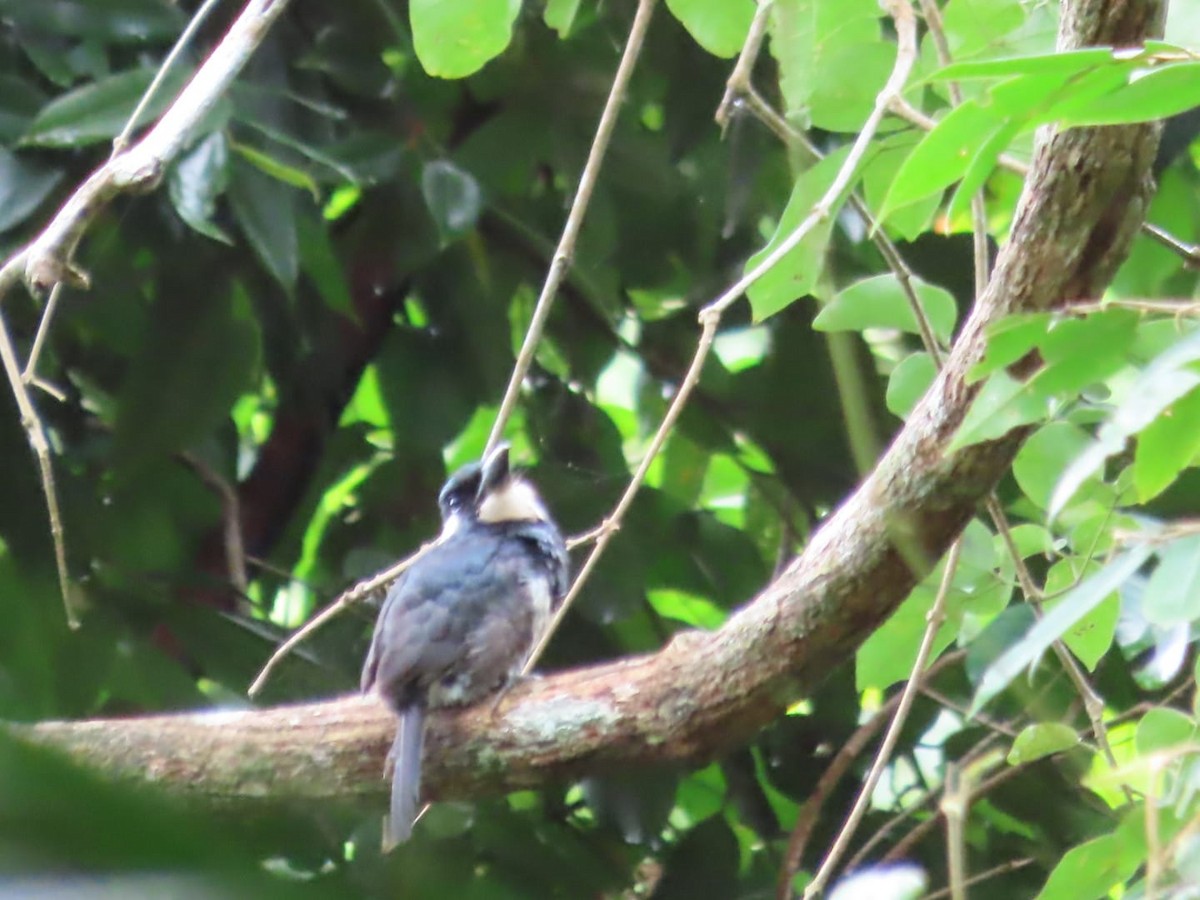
[705,692]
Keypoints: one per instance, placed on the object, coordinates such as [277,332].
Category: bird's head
[503,495]
[458,497]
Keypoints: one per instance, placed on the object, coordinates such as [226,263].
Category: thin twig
[979,751]
[612,523]
[121,141]
[334,609]
[29,376]
[583,195]
[887,248]
[35,430]
[806,818]
[1003,869]
[904,846]
[48,258]
[47,261]
[739,83]
[710,315]
[956,800]
[231,518]
[936,616]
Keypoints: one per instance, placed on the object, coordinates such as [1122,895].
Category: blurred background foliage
[319,311]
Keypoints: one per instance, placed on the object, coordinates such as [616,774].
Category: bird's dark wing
[371,663]
[451,630]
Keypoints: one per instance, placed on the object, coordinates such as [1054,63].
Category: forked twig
[47,261]
[710,315]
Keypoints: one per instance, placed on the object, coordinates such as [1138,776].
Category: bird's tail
[406,777]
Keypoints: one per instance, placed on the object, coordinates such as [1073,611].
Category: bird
[458,625]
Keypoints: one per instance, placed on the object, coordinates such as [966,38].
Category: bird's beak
[495,471]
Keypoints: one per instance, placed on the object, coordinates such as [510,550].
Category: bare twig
[935,618]
[806,818]
[121,141]
[955,803]
[710,315]
[903,847]
[583,195]
[36,432]
[29,375]
[612,524]
[334,609]
[885,245]
[47,261]
[231,517]
[739,83]
[996,871]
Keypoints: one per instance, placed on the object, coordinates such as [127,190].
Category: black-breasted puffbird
[458,625]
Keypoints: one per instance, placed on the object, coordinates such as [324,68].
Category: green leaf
[976,592]
[1040,462]
[848,82]
[24,185]
[1166,91]
[1077,603]
[908,383]
[880,302]
[265,210]
[457,38]
[1172,595]
[1163,382]
[453,197]
[943,155]
[719,26]
[560,15]
[197,180]
[99,111]
[19,102]
[1167,446]
[1092,634]
[690,609]
[983,163]
[1042,739]
[1162,728]
[278,169]
[199,355]
[107,22]
[797,273]
[1091,869]
[1002,404]
[1010,340]
[886,156]
[1067,65]
[977,26]
[319,262]
[1081,352]
[808,38]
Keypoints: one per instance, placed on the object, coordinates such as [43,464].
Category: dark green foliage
[321,307]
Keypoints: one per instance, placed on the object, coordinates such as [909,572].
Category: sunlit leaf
[456,38]
[1172,596]
[909,382]
[719,26]
[797,273]
[880,302]
[1042,739]
[1166,446]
